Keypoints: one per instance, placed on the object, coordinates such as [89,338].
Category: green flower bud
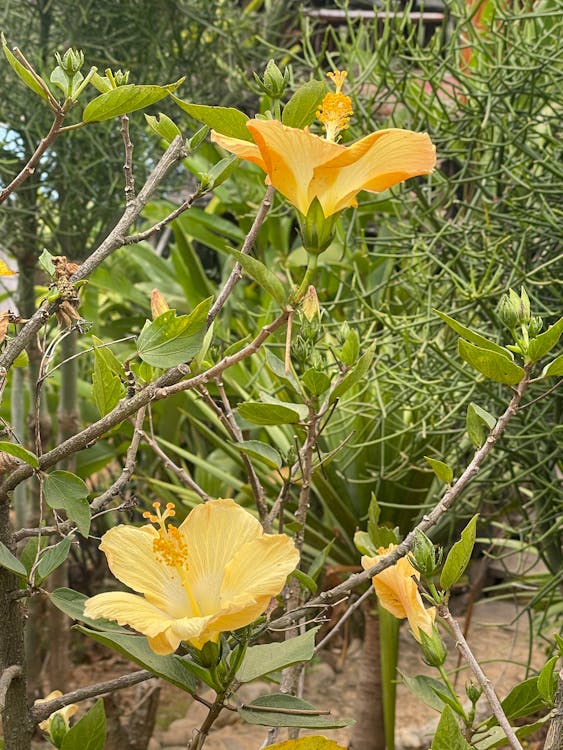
[317,231]
[58,727]
[423,556]
[273,82]
[433,650]
[71,62]
[514,310]
[535,326]
[120,77]
[473,692]
[210,654]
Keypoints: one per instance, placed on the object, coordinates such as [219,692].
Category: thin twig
[8,674]
[482,678]
[236,273]
[348,613]
[128,163]
[182,475]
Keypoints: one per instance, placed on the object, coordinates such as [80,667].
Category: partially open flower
[398,593]
[57,724]
[216,572]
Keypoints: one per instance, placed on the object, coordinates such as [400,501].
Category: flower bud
[71,62]
[473,692]
[535,326]
[58,727]
[310,304]
[273,82]
[158,304]
[120,77]
[433,650]
[514,310]
[423,556]
[317,231]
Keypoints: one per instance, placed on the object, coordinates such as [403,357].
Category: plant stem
[482,678]
[451,690]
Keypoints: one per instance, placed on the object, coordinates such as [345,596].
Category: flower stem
[452,692]
[309,273]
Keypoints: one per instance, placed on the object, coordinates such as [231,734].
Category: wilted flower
[216,572]
[398,593]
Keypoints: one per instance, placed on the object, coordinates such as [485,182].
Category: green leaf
[90,732]
[547,681]
[107,388]
[476,421]
[264,414]
[305,581]
[490,364]
[225,120]
[23,73]
[426,688]
[108,356]
[220,172]
[45,261]
[364,544]
[442,470]
[19,452]
[169,339]
[554,368]
[474,337]
[125,99]
[350,349]
[72,604]
[448,734]
[495,737]
[262,275]
[301,109]
[53,557]
[9,561]
[137,649]
[163,126]
[65,490]
[544,343]
[523,700]
[22,360]
[355,375]
[318,562]
[251,713]
[315,381]
[261,452]
[261,660]
[29,552]
[277,367]
[101,83]
[459,556]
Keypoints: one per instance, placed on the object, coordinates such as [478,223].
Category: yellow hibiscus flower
[304,166]
[216,572]
[398,593]
[65,713]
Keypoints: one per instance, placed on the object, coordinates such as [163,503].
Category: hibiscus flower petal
[375,163]
[243,149]
[290,157]
[128,609]
[214,532]
[131,558]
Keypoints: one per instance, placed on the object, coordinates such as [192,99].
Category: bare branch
[8,674]
[482,678]
[182,475]
[128,163]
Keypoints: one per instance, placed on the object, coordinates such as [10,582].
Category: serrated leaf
[262,275]
[125,99]
[490,364]
[262,452]
[315,381]
[163,126]
[137,649]
[169,339]
[89,733]
[226,120]
[19,452]
[355,375]
[448,733]
[554,368]
[442,470]
[23,73]
[544,343]
[69,492]
[53,557]
[264,414]
[261,660]
[547,681]
[301,109]
[9,561]
[477,420]
[251,713]
[45,261]
[473,336]
[459,556]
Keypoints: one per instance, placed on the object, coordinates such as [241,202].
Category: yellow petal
[243,149]
[131,558]
[213,532]
[291,156]
[375,163]
[128,609]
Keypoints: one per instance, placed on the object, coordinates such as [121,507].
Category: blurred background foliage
[488,219]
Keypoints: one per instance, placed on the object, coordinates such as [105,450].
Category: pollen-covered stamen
[169,546]
[336,108]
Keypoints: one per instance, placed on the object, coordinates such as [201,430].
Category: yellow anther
[169,546]
[336,108]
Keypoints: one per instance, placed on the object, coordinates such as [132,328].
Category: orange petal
[291,156]
[375,163]
[243,149]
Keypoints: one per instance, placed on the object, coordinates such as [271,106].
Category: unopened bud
[423,556]
[317,230]
[58,728]
[158,304]
[514,310]
[535,326]
[310,304]
[433,650]
[71,62]
[273,82]
[473,692]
